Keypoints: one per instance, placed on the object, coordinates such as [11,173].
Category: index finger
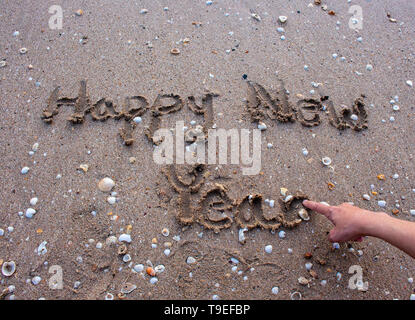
[318,207]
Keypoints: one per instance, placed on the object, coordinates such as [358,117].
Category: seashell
[160,268]
[303,281]
[23,50]
[153,280]
[262,126]
[275,290]
[241,235]
[30,212]
[111,240]
[167,252]
[296,295]
[283,191]
[106,184]
[288,198]
[124,238]
[281,234]
[175,51]
[36,280]
[128,288]
[84,167]
[409,83]
[8,268]
[303,214]
[165,232]
[282,19]
[150,271]
[126,258]
[268,249]
[190,260]
[326,161]
[143,11]
[109,296]
[256,16]
[2,63]
[122,249]
[25,170]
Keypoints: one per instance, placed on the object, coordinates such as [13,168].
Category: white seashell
[305,152]
[112,200]
[280,30]
[8,268]
[138,267]
[326,161]
[160,268]
[308,265]
[281,234]
[124,238]
[412,297]
[303,214]
[190,260]
[283,19]
[412,211]
[165,232]
[106,184]
[128,288]
[41,249]
[167,252]
[153,280]
[36,280]
[409,83]
[288,198]
[268,249]
[256,16]
[111,240]
[30,212]
[241,235]
[336,245]
[283,191]
[354,117]
[296,295]
[1,232]
[3,63]
[369,67]
[33,201]
[262,126]
[137,119]
[215,297]
[275,290]
[126,258]
[303,281]
[143,11]
[23,50]
[366,197]
[382,203]
[109,296]
[25,170]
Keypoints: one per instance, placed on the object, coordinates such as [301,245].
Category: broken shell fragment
[122,249]
[165,232]
[106,184]
[175,51]
[303,281]
[150,271]
[282,19]
[296,295]
[128,288]
[2,64]
[8,268]
[256,16]
[303,214]
[23,50]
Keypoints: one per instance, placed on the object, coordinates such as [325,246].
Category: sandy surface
[115,68]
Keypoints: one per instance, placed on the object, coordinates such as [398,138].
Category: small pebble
[268,249]
[190,260]
[30,212]
[281,234]
[382,203]
[138,267]
[369,67]
[275,290]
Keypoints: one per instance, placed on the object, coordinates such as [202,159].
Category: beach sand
[121,52]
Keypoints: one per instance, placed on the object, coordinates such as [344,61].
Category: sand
[125,53]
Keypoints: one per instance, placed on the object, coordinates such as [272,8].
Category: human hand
[349,221]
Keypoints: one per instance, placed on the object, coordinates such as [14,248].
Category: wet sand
[127,53]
